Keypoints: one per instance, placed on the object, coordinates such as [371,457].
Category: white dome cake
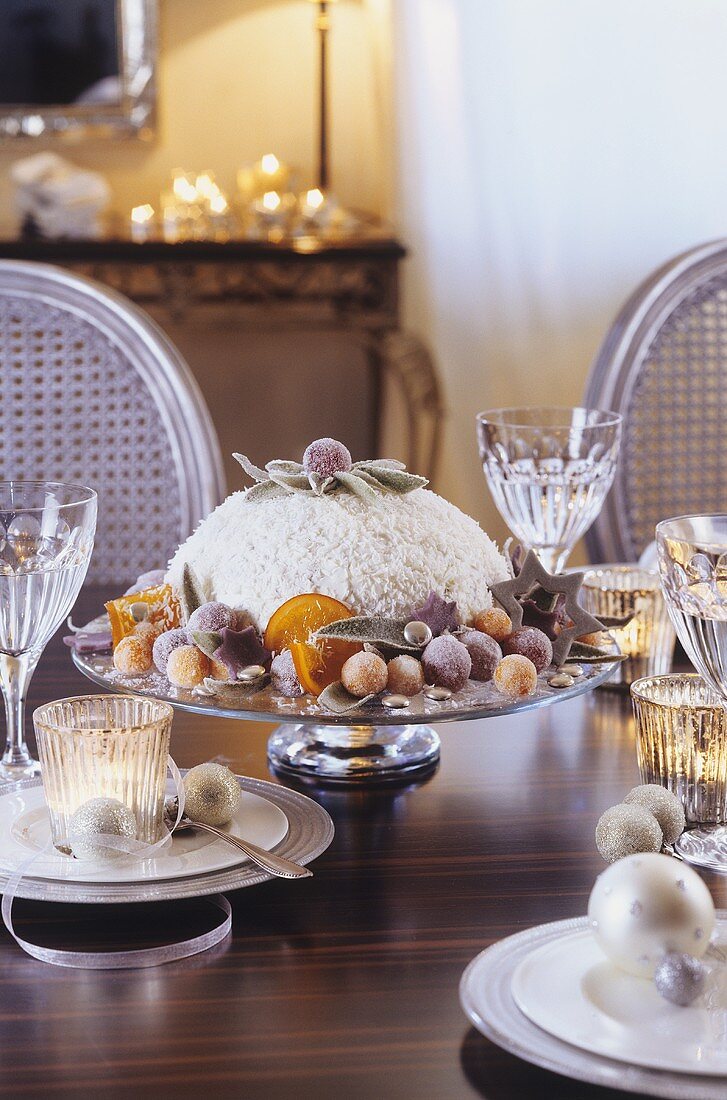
[371,538]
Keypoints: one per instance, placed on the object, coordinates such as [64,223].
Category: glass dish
[371,743]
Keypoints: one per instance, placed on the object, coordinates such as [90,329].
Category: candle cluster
[267,206]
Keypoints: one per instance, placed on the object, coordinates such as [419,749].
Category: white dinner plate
[25,832]
[487,999]
[571,990]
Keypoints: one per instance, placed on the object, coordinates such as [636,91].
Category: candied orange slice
[317,664]
[156,605]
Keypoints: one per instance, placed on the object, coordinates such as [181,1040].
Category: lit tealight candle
[271,174]
[142,219]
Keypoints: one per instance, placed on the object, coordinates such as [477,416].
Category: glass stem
[553,558]
[15,674]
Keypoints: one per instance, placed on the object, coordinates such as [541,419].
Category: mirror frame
[134,116]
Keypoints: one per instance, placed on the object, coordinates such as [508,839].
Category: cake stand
[368,744]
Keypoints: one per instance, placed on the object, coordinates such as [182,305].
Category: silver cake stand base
[352,754]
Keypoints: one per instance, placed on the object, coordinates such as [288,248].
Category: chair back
[663,366]
[92,391]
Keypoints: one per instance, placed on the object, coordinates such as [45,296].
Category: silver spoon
[276,865]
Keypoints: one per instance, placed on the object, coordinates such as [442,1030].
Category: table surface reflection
[343,985]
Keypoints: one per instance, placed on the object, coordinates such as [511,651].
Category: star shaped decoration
[533,575]
[240,648]
[438,613]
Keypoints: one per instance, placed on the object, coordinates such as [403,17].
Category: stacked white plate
[551,997]
[195,863]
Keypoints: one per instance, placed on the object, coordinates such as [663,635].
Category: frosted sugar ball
[165,643]
[150,631]
[218,671]
[212,617]
[364,674]
[283,677]
[132,656]
[446,663]
[326,457]
[211,794]
[531,643]
[484,652]
[516,676]
[406,675]
[645,906]
[495,622]
[665,806]
[623,830]
[96,818]
[187,666]
[680,978]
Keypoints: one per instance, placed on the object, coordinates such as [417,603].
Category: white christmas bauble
[644,906]
[95,819]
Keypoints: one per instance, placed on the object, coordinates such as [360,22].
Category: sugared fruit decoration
[665,806]
[211,794]
[326,457]
[147,630]
[495,622]
[239,649]
[446,663]
[283,677]
[364,674]
[484,652]
[646,906]
[218,671]
[516,676]
[187,666]
[317,663]
[132,656]
[212,617]
[96,818]
[627,829]
[406,675]
[165,643]
[532,643]
[680,978]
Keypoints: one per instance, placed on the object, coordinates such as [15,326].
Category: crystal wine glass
[549,470]
[46,540]
[693,566]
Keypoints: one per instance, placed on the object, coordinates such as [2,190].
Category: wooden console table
[351,286]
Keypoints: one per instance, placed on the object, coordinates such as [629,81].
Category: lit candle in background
[271,174]
[142,222]
[183,188]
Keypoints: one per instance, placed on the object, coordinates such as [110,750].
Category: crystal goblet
[46,540]
[549,470]
[693,567]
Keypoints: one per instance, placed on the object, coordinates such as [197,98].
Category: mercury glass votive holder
[104,746]
[647,641]
[681,742]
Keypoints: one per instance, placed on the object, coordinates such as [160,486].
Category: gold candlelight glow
[271,201]
[647,641]
[142,218]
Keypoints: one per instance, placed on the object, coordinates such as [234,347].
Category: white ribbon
[121,960]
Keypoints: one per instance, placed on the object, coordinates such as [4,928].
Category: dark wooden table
[343,985]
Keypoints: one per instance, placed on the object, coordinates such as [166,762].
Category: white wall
[550,154]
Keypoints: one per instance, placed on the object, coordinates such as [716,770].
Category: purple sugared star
[437,613]
[240,648]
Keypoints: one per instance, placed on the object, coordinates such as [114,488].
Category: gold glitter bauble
[625,830]
[211,794]
[665,806]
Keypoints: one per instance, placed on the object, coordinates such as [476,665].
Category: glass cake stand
[368,744]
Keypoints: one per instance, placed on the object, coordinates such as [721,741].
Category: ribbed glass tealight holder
[681,742]
[104,746]
[647,641]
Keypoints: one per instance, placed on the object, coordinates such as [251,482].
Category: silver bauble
[211,794]
[95,818]
[623,830]
[645,906]
[680,978]
[665,806]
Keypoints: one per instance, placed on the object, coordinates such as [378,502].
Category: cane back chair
[663,366]
[92,391]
